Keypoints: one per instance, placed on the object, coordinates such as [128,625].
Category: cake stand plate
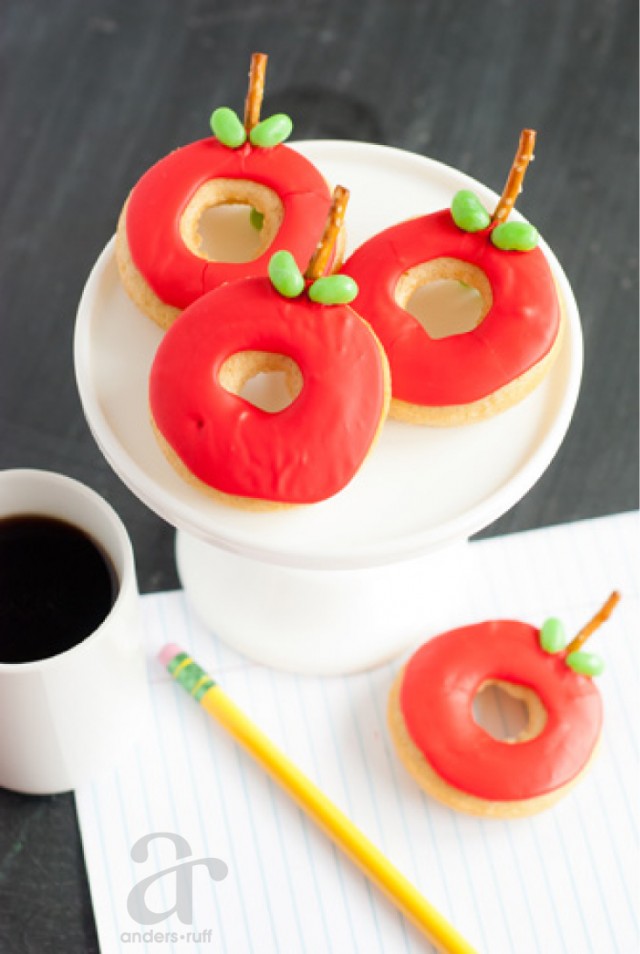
[347,583]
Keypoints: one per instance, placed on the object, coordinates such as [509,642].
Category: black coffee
[56,587]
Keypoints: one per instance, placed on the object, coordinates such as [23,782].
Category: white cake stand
[348,583]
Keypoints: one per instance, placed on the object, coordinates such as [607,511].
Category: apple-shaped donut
[242,454]
[455,759]
[158,248]
[472,375]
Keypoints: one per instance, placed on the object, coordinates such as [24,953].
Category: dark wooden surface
[91,93]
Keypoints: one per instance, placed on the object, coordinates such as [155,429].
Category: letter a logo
[183,878]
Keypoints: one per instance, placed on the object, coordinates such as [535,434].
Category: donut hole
[446,296]
[216,223]
[227,235]
[508,712]
[271,382]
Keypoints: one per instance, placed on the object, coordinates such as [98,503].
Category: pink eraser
[168,652]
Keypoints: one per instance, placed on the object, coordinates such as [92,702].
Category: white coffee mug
[66,717]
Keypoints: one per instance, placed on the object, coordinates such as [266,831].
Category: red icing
[517,332]
[302,454]
[175,274]
[440,683]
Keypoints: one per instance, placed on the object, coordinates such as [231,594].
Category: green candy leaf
[333,290]
[587,664]
[285,275]
[552,636]
[226,126]
[271,131]
[256,219]
[468,212]
[515,236]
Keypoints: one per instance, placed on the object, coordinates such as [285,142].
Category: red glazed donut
[150,234]
[251,457]
[159,251]
[454,759]
[472,375]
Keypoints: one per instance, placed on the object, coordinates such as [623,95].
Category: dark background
[91,93]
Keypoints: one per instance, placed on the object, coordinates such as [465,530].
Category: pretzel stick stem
[513,185]
[601,616]
[255,93]
[335,220]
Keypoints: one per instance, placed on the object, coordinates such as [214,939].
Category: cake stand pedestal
[350,582]
[323,622]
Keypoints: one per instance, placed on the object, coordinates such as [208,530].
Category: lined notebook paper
[562,881]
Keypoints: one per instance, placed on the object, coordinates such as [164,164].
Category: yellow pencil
[315,803]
